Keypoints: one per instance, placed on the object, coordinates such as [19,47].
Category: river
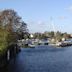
[42,59]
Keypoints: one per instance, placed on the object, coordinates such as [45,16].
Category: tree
[9,18]
[66,36]
[3,40]
[37,35]
[12,22]
[23,31]
[52,34]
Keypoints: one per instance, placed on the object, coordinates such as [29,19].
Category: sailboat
[57,43]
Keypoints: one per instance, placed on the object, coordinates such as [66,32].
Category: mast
[52,24]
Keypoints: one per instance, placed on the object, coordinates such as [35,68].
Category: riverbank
[9,54]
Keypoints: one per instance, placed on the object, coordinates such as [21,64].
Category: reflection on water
[42,59]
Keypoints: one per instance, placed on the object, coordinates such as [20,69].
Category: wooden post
[8,55]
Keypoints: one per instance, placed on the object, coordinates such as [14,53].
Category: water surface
[42,59]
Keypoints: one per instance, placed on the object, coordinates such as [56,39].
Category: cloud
[39,22]
[69,8]
[61,17]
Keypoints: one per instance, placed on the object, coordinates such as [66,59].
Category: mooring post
[8,55]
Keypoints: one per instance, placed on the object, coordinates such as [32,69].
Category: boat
[31,45]
[58,44]
[64,43]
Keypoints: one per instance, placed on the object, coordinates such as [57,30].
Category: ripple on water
[43,59]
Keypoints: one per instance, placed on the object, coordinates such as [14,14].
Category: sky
[43,15]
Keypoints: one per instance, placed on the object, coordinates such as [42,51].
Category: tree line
[56,35]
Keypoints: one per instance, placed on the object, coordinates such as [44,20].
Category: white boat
[64,43]
[31,45]
[58,43]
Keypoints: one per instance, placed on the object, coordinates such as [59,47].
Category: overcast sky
[37,13]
